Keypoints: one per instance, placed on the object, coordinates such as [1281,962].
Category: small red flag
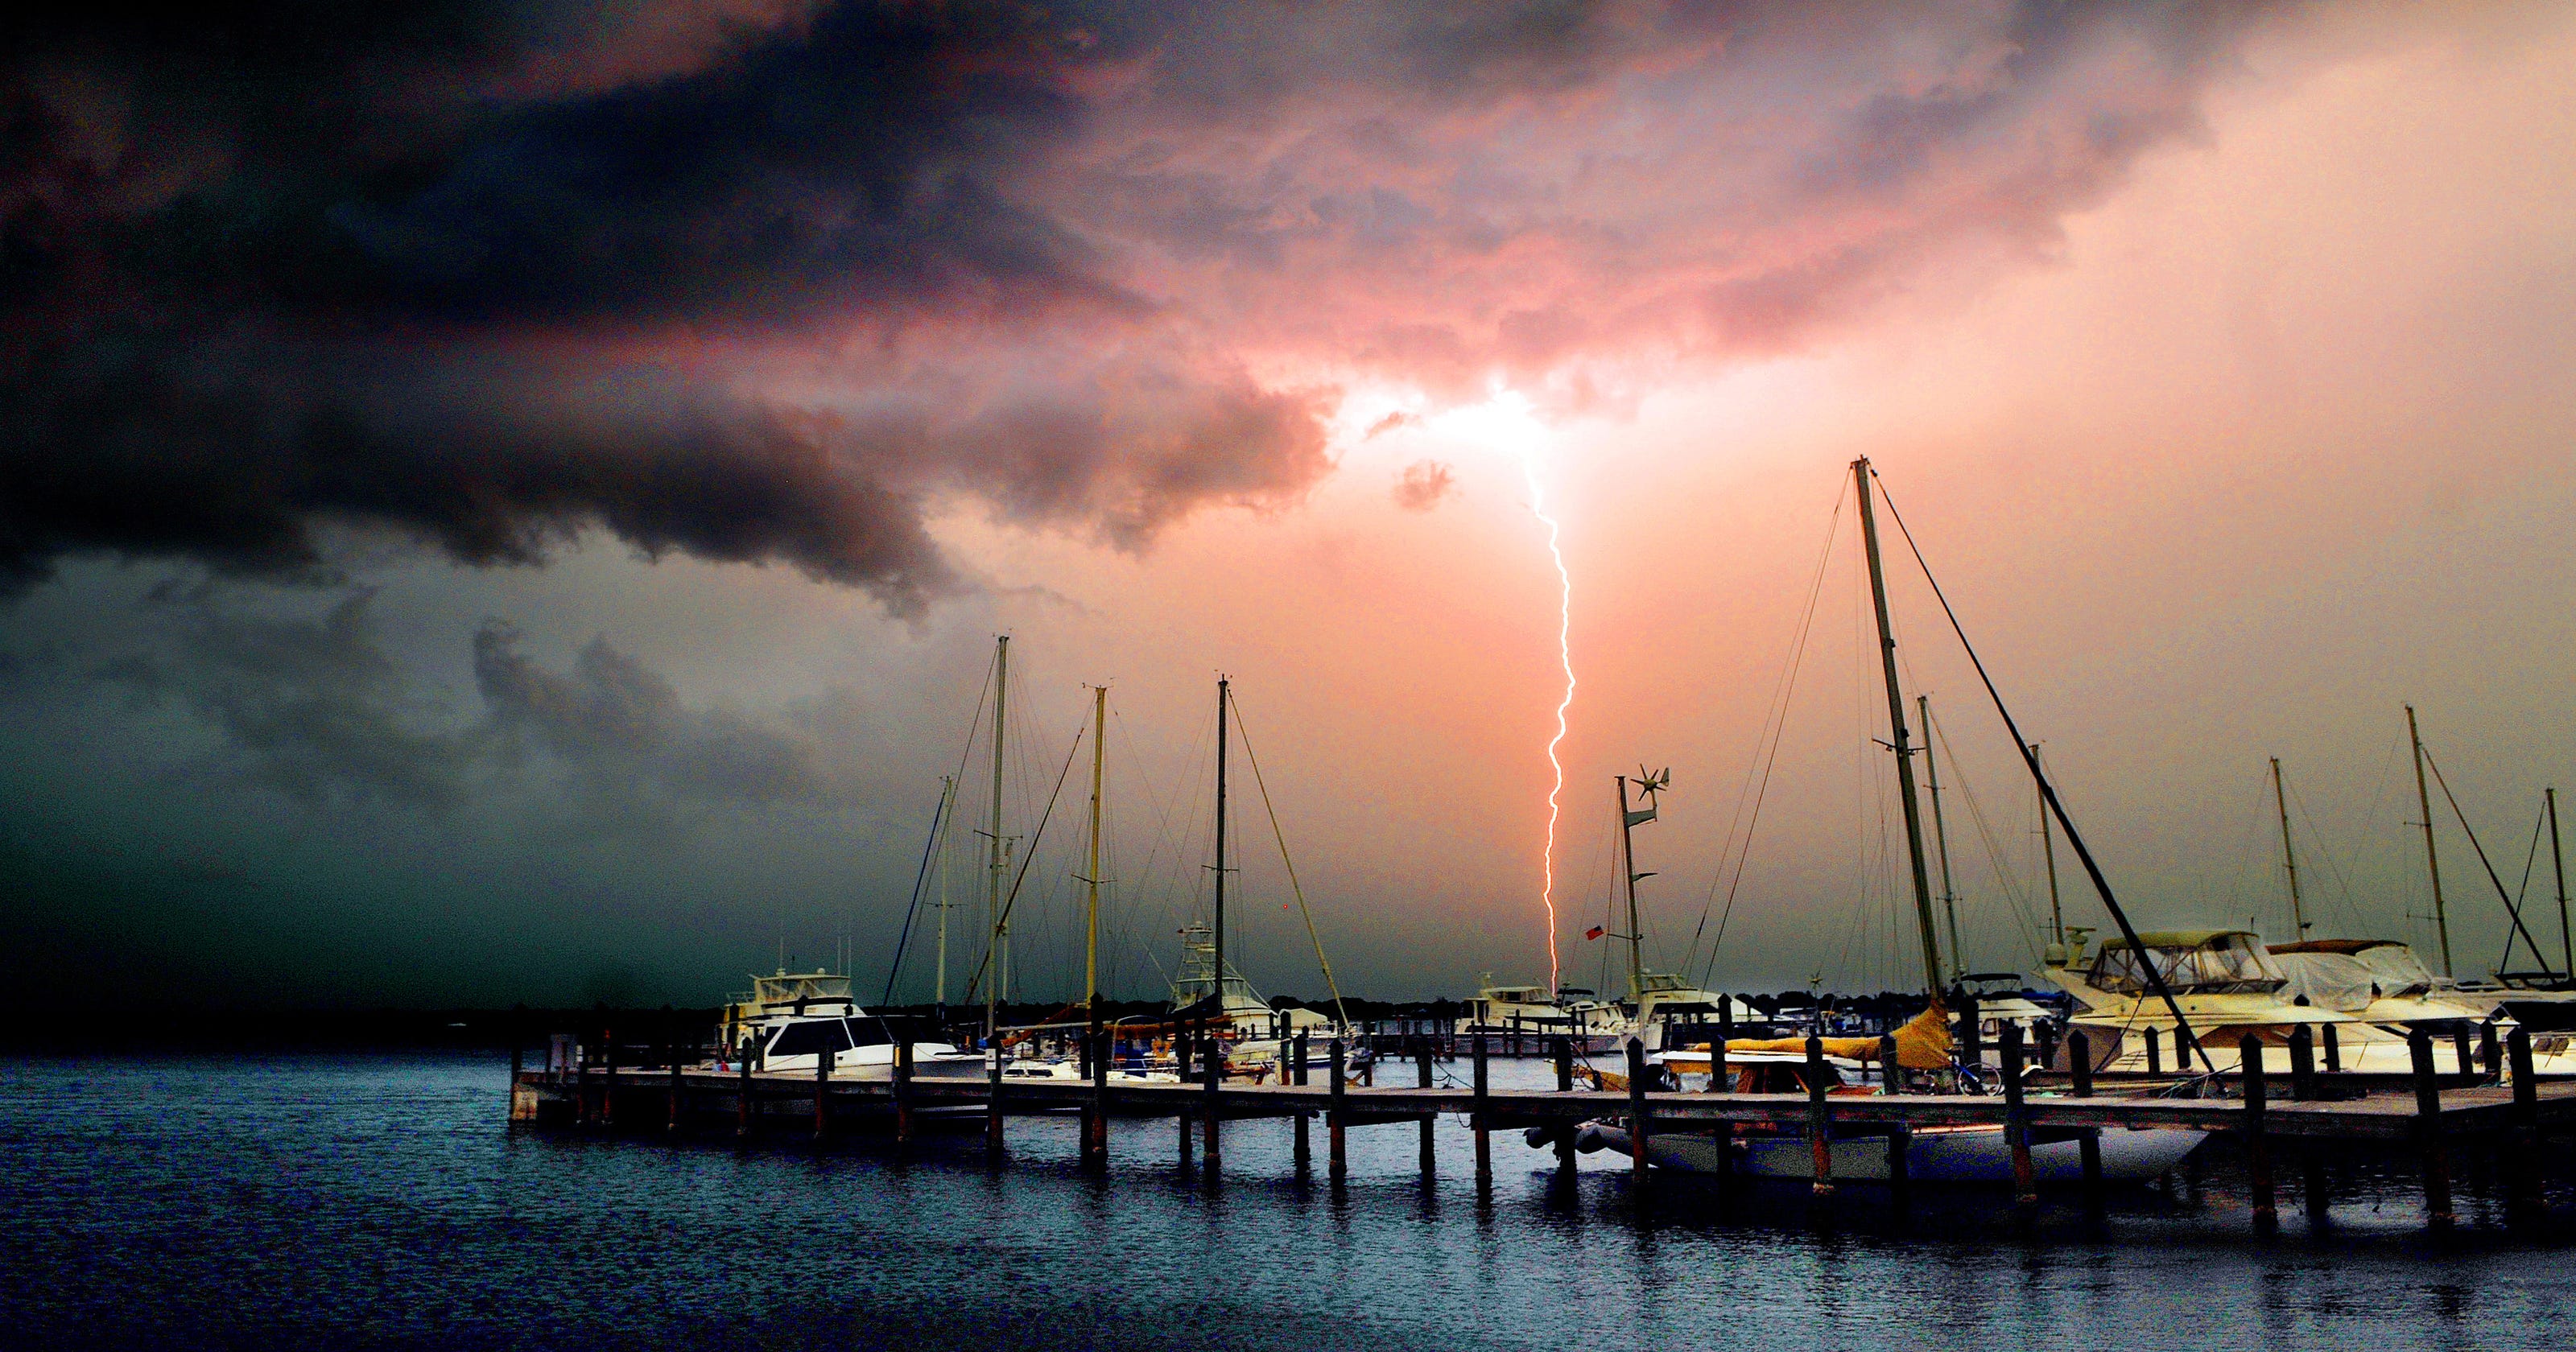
[1593,933]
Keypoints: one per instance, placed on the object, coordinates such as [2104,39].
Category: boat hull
[1968,1155]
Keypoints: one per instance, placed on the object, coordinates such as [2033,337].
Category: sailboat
[1966,1154]
[1211,992]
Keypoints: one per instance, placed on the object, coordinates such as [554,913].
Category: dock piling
[2490,1051]
[2428,1130]
[1337,1118]
[2460,1048]
[1640,1133]
[1564,1048]
[2333,1048]
[2522,1183]
[822,1080]
[2079,1065]
[2258,1158]
[2017,1125]
[993,1108]
[2303,1064]
[1305,1148]
[902,1091]
[1484,1129]
[2155,1056]
[742,1099]
[608,1078]
[1820,1145]
[1212,1075]
[1429,1164]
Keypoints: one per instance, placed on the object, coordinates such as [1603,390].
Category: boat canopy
[2207,962]
[1922,1044]
[2346,975]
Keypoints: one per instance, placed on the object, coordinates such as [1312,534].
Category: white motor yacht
[1535,1012]
[789,1021]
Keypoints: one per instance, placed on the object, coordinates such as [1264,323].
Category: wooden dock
[2431,1120]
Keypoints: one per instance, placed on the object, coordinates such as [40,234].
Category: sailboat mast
[1091,874]
[947,809]
[1896,726]
[994,866]
[2289,857]
[1628,870]
[1224,694]
[1941,837]
[2558,868]
[2048,857]
[2432,860]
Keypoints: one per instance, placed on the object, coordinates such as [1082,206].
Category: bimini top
[2207,962]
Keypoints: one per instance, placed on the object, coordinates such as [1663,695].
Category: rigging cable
[937,815]
[1312,937]
[2048,791]
[1776,719]
[2510,908]
[1013,896]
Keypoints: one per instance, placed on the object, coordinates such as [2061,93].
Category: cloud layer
[769,280]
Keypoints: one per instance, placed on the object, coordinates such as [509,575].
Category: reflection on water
[381,1202]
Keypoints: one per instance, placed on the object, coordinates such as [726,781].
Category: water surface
[361,1202]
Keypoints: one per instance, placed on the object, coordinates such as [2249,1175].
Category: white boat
[1933,1154]
[790,1021]
[1534,1012]
[1973,1154]
[2226,985]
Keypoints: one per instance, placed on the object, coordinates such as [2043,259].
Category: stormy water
[383,1202]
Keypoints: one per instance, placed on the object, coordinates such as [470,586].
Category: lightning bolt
[1565,661]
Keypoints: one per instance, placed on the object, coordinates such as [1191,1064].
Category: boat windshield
[2226,964]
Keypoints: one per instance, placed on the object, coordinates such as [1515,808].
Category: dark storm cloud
[315,707]
[759,280]
[617,724]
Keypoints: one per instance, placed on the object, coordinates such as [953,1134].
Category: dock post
[2155,1053]
[1900,1135]
[1564,1085]
[1972,1050]
[2079,1065]
[2303,1063]
[2522,1181]
[1305,1118]
[993,1099]
[1430,1164]
[1212,1072]
[2428,1130]
[1820,1145]
[671,1040]
[1336,1119]
[822,1079]
[1484,1132]
[742,1098]
[608,1081]
[2258,1155]
[1092,1056]
[1640,1132]
[1717,1076]
[1096,1131]
[2490,1051]
[2460,1048]
[2332,1046]
[902,1090]
[2017,1126]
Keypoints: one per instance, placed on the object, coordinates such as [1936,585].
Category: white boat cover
[2347,982]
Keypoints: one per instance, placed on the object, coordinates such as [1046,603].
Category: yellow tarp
[1922,1044]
